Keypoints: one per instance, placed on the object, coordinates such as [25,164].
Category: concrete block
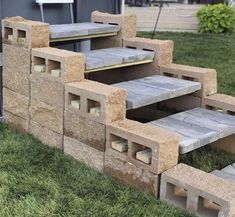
[63,65]
[85,130]
[205,194]
[48,116]
[131,175]
[21,125]
[16,57]
[16,103]
[127,24]
[26,33]
[84,153]
[164,145]
[46,136]
[39,68]
[227,144]
[8,29]
[46,89]
[98,102]
[163,49]
[220,102]
[207,77]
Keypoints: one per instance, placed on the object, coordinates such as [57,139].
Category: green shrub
[217,18]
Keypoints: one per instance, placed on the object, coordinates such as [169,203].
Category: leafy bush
[217,18]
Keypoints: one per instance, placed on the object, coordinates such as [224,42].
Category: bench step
[198,127]
[65,32]
[115,57]
[152,89]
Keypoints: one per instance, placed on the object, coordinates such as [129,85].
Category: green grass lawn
[38,181]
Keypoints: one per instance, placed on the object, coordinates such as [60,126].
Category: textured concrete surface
[153,89]
[200,187]
[198,127]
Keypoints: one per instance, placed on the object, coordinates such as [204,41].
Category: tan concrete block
[16,103]
[47,90]
[15,57]
[163,49]
[71,64]
[127,23]
[131,175]
[84,153]
[164,145]
[226,144]
[109,100]
[207,77]
[46,136]
[220,101]
[85,130]
[21,125]
[47,116]
[200,188]
[180,104]
[8,29]
[16,79]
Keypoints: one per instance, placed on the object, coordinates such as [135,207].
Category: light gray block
[152,89]
[229,169]
[80,29]
[224,175]
[102,59]
[129,55]
[188,132]
[198,127]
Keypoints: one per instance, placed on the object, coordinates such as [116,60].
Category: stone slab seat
[224,175]
[156,88]
[66,32]
[198,127]
[116,57]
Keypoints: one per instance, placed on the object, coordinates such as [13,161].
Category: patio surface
[176,17]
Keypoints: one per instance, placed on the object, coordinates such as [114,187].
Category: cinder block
[84,153]
[131,175]
[18,58]
[204,194]
[8,29]
[21,125]
[46,136]
[16,103]
[85,130]
[47,116]
[70,64]
[95,97]
[46,89]
[164,145]
[180,104]
[26,33]
[207,77]
[163,49]
[126,22]
[226,144]
[220,102]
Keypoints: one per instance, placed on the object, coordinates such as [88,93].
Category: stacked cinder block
[136,154]
[207,78]
[225,104]
[19,37]
[51,69]
[198,192]
[89,107]
[127,25]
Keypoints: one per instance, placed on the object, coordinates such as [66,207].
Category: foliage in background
[217,18]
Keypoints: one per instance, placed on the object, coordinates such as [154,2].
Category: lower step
[198,127]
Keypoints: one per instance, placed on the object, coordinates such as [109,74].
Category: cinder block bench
[117,57]
[78,31]
[198,127]
[156,88]
[200,193]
